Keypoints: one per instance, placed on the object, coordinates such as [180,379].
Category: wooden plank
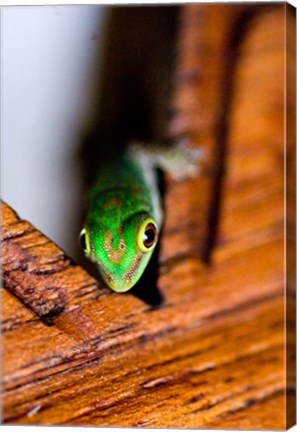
[212,355]
[291,215]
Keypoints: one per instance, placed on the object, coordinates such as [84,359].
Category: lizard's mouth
[115,284]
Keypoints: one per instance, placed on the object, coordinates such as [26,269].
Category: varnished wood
[291,215]
[213,354]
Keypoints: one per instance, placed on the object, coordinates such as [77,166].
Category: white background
[50,61]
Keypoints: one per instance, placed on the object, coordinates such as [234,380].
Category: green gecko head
[120,251]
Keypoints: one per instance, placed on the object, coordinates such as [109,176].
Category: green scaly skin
[124,196]
[123,202]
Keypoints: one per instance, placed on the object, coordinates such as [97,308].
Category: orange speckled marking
[113,254]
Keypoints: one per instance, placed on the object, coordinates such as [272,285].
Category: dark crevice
[134,89]
[241,27]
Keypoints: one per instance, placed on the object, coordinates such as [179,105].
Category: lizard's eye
[84,241]
[147,235]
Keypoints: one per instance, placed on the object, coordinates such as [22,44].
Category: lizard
[125,212]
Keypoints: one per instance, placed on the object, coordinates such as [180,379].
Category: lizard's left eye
[84,241]
[148,235]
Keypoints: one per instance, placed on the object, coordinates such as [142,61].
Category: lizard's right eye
[83,241]
[147,235]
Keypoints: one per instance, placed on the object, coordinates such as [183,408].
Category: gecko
[125,211]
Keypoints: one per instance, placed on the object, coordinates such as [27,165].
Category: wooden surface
[291,221]
[213,354]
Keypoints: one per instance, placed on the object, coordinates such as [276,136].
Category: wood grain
[213,354]
[291,215]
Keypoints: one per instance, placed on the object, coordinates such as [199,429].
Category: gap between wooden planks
[213,354]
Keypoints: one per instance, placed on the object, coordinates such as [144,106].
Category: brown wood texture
[213,354]
[291,215]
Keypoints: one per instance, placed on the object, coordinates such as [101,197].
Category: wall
[50,63]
